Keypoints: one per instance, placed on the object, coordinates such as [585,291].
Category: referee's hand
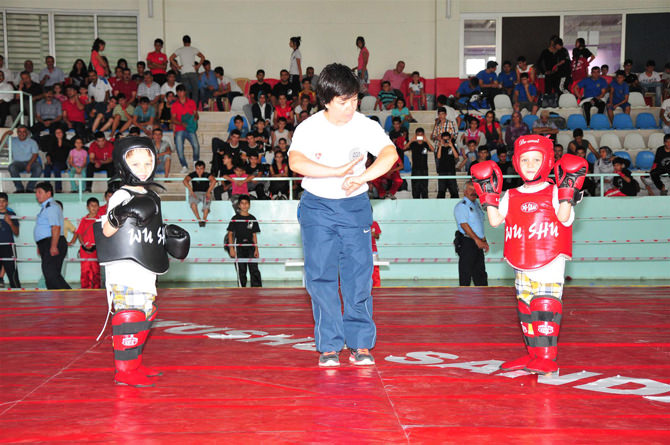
[351,184]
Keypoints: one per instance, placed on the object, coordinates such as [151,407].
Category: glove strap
[489,200]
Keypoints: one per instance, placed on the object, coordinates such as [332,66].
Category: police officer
[51,243]
[470,221]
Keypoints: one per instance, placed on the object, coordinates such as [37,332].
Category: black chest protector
[145,245]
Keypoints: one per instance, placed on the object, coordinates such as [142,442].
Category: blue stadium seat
[388,123]
[623,154]
[462,126]
[644,160]
[622,122]
[576,121]
[495,158]
[645,121]
[504,119]
[591,158]
[600,122]
[231,123]
[530,120]
[407,167]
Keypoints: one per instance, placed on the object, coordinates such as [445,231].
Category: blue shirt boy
[592,88]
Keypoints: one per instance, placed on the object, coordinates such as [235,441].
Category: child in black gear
[242,242]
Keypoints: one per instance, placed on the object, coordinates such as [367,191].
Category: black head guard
[121,148]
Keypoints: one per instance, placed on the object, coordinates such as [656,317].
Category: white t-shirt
[126,272]
[553,272]
[665,106]
[165,88]
[234,87]
[97,91]
[293,68]
[335,145]
[187,55]
[655,77]
[9,76]
[7,97]
[415,87]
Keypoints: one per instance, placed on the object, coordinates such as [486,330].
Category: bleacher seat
[502,102]
[622,122]
[495,158]
[231,123]
[645,121]
[407,165]
[610,140]
[655,140]
[636,99]
[634,141]
[644,160]
[462,126]
[388,123]
[368,104]
[530,120]
[237,106]
[592,139]
[600,122]
[591,158]
[564,139]
[623,154]
[567,100]
[505,118]
[576,121]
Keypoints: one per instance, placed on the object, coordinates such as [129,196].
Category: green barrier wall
[599,221]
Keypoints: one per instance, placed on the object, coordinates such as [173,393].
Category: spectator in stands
[468,155]
[488,81]
[563,68]
[525,95]
[507,78]
[419,148]
[200,184]
[188,68]
[5,98]
[362,65]
[251,145]
[149,89]
[257,170]
[391,180]
[239,183]
[259,87]
[139,75]
[447,155]
[103,121]
[604,70]
[262,134]
[401,111]
[295,63]
[623,183]
[483,155]
[660,167]
[631,78]
[619,92]
[522,66]
[398,135]
[76,161]
[283,110]
[650,81]
[51,74]
[59,92]
[261,110]
[547,65]
[306,106]
[163,151]
[223,168]
[123,114]
[516,128]
[544,126]
[309,75]
[578,141]
[144,116]
[442,124]
[9,228]
[48,115]
[243,243]
[28,67]
[9,76]
[466,90]
[386,97]
[99,91]
[26,85]
[417,92]
[25,158]
[51,243]
[665,77]
[123,63]
[664,116]
[604,165]
[127,86]
[90,268]
[507,168]
[308,91]
[558,152]
[238,122]
[207,84]
[472,133]
[57,148]
[581,59]
[158,61]
[170,85]
[99,158]
[492,131]
[226,88]
[99,63]
[285,87]
[73,111]
[282,132]
[589,186]
[279,169]
[396,77]
[185,120]
[590,92]
[118,76]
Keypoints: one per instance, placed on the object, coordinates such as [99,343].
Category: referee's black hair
[334,81]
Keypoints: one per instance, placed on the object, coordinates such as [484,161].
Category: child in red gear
[538,219]
[90,270]
[376,231]
[391,179]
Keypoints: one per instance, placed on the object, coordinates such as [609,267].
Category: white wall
[243,35]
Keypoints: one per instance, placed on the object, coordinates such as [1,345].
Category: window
[74,38]
[27,38]
[602,34]
[479,44]
[120,36]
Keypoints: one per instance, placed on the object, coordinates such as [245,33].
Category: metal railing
[20,120]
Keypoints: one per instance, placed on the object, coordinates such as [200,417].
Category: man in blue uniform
[48,232]
[470,221]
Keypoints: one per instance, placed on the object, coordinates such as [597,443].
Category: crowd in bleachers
[78,116]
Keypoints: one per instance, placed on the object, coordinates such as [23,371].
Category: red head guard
[534,142]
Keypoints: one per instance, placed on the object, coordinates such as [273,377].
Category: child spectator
[105,119]
[398,134]
[282,132]
[604,165]
[386,97]
[165,110]
[390,180]
[525,95]
[200,192]
[123,114]
[238,123]
[589,186]
[623,183]
[239,180]
[307,91]
[243,243]
[469,156]
[225,168]
[77,160]
[472,133]
[144,116]
[90,268]
[376,232]
[262,135]
[279,169]
[661,166]
[619,92]
[305,105]
[163,151]
[447,155]
[257,170]
[9,228]
[401,111]
[417,92]
[507,77]
[578,141]
[283,110]
[483,155]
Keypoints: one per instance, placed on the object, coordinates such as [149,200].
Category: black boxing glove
[177,241]
[141,208]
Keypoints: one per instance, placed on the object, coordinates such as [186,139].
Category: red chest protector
[534,236]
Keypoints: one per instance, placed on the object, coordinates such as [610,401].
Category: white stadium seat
[610,140]
[634,141]
[567,100]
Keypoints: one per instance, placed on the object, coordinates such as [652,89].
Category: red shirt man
[101,149]
[71,107]
[181,107]
[127,86]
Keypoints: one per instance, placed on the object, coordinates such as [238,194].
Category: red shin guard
[546,313]
[129,328]
[146,370]
[525,320]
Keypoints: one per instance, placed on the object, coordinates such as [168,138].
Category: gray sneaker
[330,360]
[359,358]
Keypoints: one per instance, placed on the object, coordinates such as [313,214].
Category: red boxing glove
[570,172]
[487,179]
